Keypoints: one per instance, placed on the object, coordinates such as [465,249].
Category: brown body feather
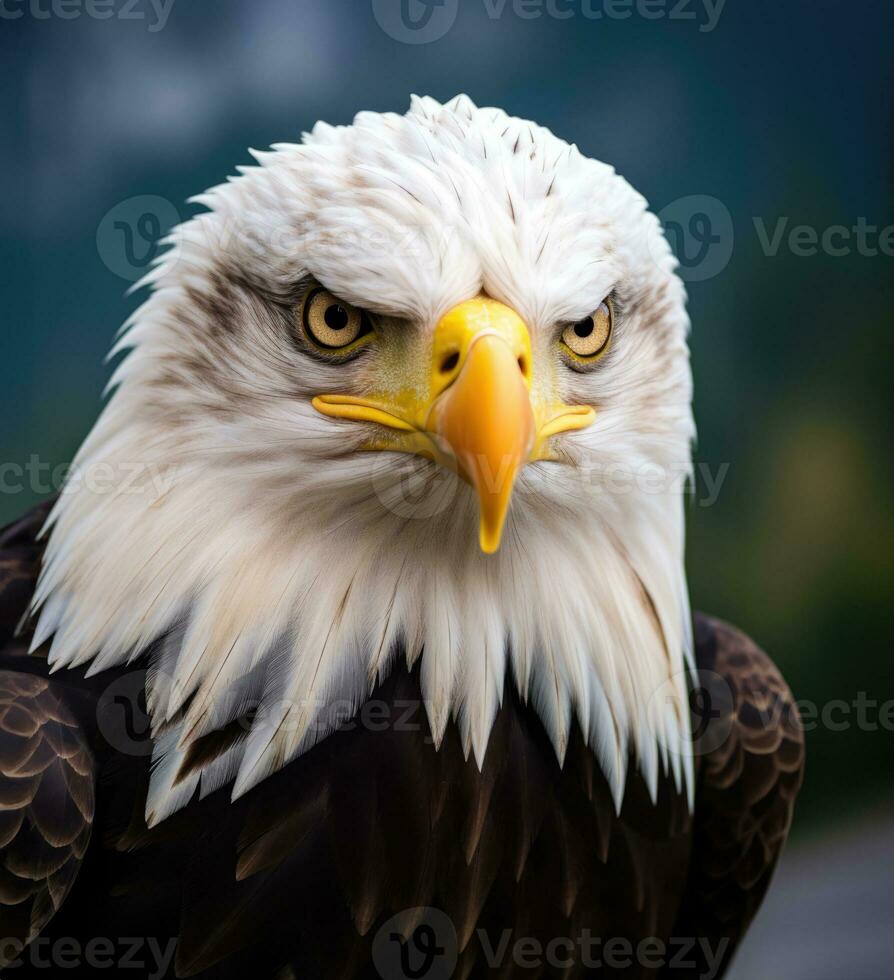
[303,876]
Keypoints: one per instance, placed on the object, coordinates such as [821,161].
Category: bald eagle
[358,642]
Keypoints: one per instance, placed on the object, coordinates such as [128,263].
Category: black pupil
[584,328]
[336,317]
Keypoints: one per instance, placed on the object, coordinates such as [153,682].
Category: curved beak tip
[489,537]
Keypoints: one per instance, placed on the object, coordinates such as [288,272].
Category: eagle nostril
[449,362]
[523,365]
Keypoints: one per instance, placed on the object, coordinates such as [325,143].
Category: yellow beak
[484,414]
[475,413]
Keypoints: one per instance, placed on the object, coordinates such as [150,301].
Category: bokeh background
[730,118]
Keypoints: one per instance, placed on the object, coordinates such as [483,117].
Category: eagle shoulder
[749,747]
[46,806]
[47,771]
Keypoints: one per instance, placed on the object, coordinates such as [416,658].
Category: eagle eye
[332,324]
[587,339]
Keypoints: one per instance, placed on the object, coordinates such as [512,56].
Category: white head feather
[238,537]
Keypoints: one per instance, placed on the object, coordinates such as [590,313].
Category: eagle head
[415,388]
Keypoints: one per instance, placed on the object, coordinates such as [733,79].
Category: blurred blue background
[764,110]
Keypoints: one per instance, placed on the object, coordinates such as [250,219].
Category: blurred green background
[777,110]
